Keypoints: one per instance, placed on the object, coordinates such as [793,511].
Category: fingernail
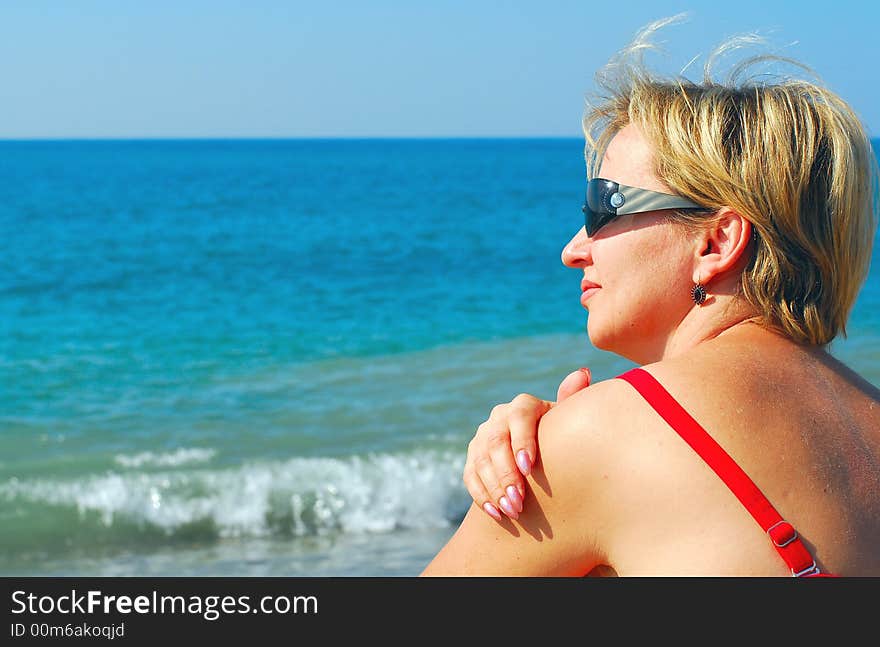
[515,498]
[522,460]
[492,511]
[585,371]
[508,509]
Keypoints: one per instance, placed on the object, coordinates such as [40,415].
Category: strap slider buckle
[784,536]
[809,570]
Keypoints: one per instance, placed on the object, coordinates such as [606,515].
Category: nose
[578,251]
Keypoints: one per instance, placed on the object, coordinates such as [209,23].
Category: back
[803,427]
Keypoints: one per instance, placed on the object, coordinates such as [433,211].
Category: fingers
[512,487]
[479,493]
[502,494]
[488,501]
[522,421]
[523,425]
[502,453]
[490,473]
[572,383]
[504,449]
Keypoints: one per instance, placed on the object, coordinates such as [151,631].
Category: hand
[504,448]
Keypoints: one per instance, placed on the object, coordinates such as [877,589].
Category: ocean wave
[297,497]
[181,456]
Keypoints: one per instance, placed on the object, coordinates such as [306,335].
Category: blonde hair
[789,156]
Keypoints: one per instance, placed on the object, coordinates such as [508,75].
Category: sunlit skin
[643,309]
[615,490]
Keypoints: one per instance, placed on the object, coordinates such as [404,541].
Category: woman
[728,230]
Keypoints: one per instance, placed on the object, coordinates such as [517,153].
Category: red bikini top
[781,533]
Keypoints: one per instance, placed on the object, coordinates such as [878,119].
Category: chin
[599,345]
[610,341]
[598,338]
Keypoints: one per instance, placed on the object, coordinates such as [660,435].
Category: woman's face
[636,269]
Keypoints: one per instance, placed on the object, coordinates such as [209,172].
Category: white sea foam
[181,456]
[300,496]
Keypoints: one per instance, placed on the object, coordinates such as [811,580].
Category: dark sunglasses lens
[597,209]
[591,220]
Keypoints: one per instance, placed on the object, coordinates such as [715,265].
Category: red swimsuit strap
[782,534]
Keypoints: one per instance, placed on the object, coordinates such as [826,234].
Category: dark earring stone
[698,294]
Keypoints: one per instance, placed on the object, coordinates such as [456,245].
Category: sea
[267,357]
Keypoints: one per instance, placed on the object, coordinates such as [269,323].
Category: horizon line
[217,138]
[276,137]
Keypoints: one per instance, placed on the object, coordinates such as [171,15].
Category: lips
[588,289]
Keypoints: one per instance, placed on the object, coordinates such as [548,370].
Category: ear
[723,246]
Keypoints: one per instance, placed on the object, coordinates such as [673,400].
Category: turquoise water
[267,357]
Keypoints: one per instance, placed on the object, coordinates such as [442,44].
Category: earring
[698,293]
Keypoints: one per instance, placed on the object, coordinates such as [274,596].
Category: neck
[698,325]
[693,332]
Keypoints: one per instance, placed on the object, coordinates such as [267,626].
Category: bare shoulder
[593,448]
[589,419]
[607,450]
[588,435]
[603,420]
[570,501]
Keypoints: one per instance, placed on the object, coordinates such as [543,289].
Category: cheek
[628,266]
[640,283]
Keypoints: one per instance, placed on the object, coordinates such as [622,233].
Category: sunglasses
[606,200]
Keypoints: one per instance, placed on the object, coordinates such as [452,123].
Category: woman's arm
[558,532]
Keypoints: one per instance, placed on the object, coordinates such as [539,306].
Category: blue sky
[119,68]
